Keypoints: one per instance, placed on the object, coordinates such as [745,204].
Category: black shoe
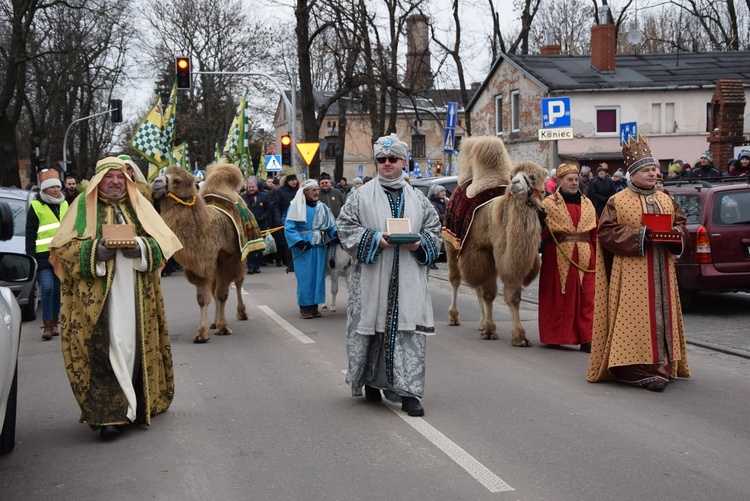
[411,406]
[372,394]
[257,270]
[433,266]
[586,347]
[315,312]
[279,264]
[107,432]
[657,386]
[250,272]
[305,313]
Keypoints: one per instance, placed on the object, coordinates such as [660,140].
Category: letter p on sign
[555,112]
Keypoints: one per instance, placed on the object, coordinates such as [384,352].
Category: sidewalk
[726,335]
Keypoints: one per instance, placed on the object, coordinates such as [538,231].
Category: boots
[55,326]
[47,333]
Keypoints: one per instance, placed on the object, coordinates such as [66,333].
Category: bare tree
[570,23]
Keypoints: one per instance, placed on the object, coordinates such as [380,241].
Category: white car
[15,270]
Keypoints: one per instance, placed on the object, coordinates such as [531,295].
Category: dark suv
[717,255]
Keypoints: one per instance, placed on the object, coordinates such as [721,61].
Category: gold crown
[566,169]
[637,154]
[48,174]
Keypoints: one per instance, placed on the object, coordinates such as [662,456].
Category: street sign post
[555,134]
[449,137]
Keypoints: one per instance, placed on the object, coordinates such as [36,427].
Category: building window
[607,120]
[418,146]
[499,115]
[330,152]
[669,120]
[656,118]
[515,112]
[708,116]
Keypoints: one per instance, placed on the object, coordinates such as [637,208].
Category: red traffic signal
[182,70]
[286,149]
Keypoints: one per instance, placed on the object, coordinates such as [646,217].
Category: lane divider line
[286,325]
[481,473]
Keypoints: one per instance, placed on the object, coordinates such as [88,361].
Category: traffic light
[115,110]
[286,149]
[182,69]
[439,168]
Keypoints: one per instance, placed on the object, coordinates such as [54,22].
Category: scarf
[298,208]
[49,199]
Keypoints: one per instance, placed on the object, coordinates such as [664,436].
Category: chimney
[603,43]
[550,48]
[418,74]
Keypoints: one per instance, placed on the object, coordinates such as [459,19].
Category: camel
[211,254]
[504,238]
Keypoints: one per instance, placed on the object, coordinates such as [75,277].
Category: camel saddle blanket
[248,232]
[459,214]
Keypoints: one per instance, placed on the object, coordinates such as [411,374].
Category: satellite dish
[634,36]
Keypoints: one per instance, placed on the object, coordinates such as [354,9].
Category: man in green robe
[115,340]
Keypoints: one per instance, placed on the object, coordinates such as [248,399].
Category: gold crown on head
[637,154]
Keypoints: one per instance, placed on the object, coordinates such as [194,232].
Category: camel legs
[221,293]
[486,294]
[512,296]
[454,277]
[241,310]
[203,295]
[334,289]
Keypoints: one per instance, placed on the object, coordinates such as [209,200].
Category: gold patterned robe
[85,324]
[637,315]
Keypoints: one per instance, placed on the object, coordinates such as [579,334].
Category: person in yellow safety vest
[42,222]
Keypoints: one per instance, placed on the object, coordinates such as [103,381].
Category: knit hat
[619,173]
[566,169]
[637,154]
[744,153]
[356,181]
[49,178]
[601,168]
[674,168]
[390,145]
[708,155]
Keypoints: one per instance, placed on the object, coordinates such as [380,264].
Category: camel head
[179,182]
[528,182]
[485,160]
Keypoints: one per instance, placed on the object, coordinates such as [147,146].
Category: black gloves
[102,253]
[134,253]
[303,246]
[542,218]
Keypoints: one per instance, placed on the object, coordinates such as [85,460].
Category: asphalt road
[265,414]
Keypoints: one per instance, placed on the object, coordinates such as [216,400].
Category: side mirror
[17,268]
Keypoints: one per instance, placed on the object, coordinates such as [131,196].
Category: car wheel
[8,436]
[28,312]
[686,299]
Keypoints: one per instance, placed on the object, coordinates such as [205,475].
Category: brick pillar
[603,47]
[550,50]
[727,120]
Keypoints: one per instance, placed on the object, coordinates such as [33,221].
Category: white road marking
[286,325]
[481,473]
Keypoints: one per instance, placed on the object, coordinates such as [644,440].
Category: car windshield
[691,206]
[19,208]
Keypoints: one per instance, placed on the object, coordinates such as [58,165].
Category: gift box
[660,228]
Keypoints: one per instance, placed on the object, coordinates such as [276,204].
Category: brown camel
[211,253]
[503,241]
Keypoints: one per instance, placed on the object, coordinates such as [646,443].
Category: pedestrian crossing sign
[449,140]
[273,163]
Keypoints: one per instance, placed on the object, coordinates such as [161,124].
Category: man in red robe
[566,281]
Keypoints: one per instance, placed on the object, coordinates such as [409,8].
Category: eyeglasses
[393,160]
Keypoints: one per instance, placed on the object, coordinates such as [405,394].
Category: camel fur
[211,254]
[504,239]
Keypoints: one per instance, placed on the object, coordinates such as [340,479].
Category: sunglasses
[393,160]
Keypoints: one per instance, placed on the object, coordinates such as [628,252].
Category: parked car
[717,255]
[15,269]
[27,293]
[425,183]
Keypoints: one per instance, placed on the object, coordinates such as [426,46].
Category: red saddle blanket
[459,214]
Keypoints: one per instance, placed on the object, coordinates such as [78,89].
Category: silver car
[15,270]
[27,293]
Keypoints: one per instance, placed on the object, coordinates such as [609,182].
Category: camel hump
[485,160]
[222,179]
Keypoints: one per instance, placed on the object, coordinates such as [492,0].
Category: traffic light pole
[289,108]
[65,138]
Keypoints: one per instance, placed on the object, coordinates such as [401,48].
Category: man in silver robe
[389,313]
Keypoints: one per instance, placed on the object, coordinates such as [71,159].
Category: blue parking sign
[555,112]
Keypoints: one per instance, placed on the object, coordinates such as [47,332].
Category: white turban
[298,209]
